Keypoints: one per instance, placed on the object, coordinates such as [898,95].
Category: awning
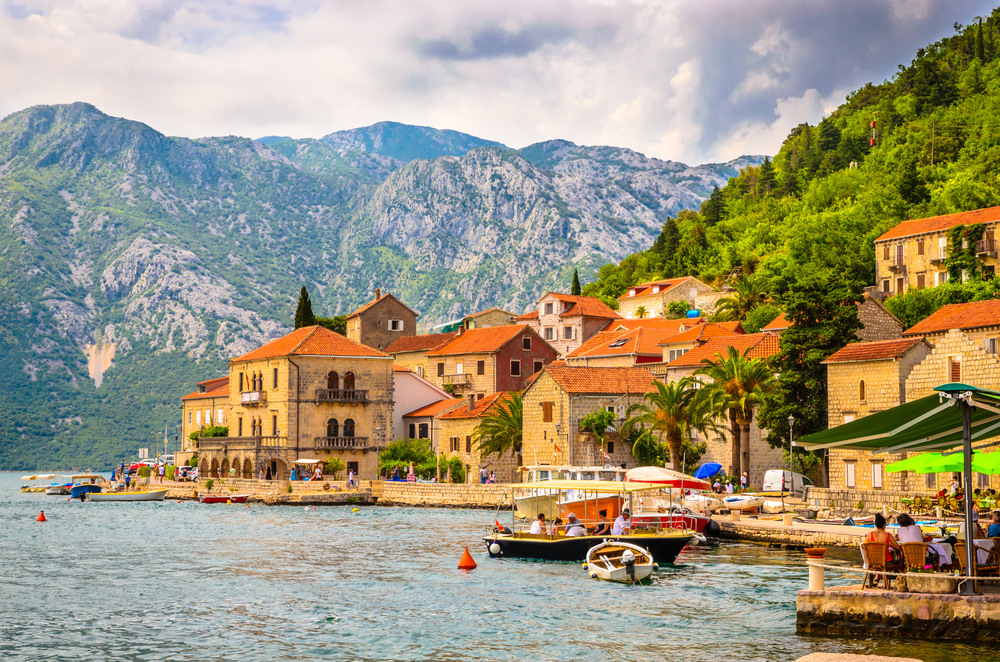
[666,478]
[929,424]
[607,486]
[305,461]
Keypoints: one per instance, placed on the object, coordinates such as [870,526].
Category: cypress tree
[911,185]
[765,179]
[576,290]
[304,312]
[980,47]
[714,208]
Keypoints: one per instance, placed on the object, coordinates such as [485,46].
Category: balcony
[987,247]
[940,259]
[460,379]
[253,398]
[342,395]
[897,267]
[342,443]
[241,443]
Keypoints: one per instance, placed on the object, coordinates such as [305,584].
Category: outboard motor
[628,558]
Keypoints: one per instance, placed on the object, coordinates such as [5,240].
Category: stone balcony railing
[986,246]
[253,398]
[342,395]
[460,379]
[241,443]
[342,443]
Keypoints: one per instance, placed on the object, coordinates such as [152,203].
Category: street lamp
[791,442]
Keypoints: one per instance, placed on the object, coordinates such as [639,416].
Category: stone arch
[224,469]
[203,468]
[348,381]
[280,470]
[215,467]
[332,428]
[348,427]
[247,468]
[333,380]
[238,465]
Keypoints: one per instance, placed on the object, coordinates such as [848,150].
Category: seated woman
[554,526]
[603,525]
[908,530]
[893,552]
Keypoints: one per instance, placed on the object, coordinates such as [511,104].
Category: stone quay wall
[901,615]
[797,536]
[445,495]
[846,502]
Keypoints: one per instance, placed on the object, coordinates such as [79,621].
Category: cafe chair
[915,554]
[874,554]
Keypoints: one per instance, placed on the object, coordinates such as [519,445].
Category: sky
[694,81]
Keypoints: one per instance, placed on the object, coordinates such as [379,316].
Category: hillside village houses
[655,296]
[382,321]
[566,321]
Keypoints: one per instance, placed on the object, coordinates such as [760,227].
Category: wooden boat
[84,484]
[531,502]
[222,498]
[742,501]
[615,561]
[154,495]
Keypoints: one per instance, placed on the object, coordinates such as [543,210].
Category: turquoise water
[185,581]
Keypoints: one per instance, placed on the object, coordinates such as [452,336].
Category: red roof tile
[959,316]
[488,310]
[420,343]
[483,341]
[585,307]
[312,341]
[654,323]
[779,323]
[939,223]
[704,332]
[605,381]
[530,315]
[483,407]
[874,351]
[434,408]
[215,388]
[640,341]
[376,300]
[646,289]
[400,368]
[761,346]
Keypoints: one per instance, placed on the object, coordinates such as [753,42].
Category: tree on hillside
[337,324]
[980,46]
[670,414]
[714,208]
[765,179]
[748,293]
[501,431]
[911,184]
[738,387]
[575,289]
[304,312]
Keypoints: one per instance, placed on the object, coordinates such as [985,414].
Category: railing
[253,398]
[357,443]
[241,443]
[897,266]
[341,395]
[460,379]
[986,246]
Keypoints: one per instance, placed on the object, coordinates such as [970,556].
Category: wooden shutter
[468,444]
[480,367]
[440,370]
[955,373]
[547,412]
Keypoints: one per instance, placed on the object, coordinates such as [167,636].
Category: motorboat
[36,488]
[623,562]
[58,490]
[664,543]
[152,495]
[534,501]
[84,484]
[223,498]
[742,502]
[674,506]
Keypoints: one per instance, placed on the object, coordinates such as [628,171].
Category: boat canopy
[667,477]
[42,477]
[86,476]
[608,486]
[305,461]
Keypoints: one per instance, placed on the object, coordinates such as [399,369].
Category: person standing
[350,478]
[729,487]
[260,474]
[293,476]
[163,470]
[743,482]
[483,476]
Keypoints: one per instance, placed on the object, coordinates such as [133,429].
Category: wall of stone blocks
[878,323]
[449,495]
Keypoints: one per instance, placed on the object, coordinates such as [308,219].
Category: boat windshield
[542,475]
[587,475]
[611,475]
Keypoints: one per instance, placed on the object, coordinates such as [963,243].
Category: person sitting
[574,527]
[908,530]
[622,524]
[554,527]
[892,551]
[603,525]
[994,530]
[538,526]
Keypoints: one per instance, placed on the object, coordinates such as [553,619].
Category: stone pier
[797,536]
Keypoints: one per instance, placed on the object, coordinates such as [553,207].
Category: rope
[847,568]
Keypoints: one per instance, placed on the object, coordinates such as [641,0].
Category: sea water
[187,581]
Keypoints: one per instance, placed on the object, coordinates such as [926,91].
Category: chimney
[378,293]
[472,401]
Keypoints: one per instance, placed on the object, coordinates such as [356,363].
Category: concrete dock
[797,536]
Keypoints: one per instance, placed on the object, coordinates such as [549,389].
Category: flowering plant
[925,569]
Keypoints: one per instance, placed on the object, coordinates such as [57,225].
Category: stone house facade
[457,427]
[381,322]
[488,360]
[566,321]
[411,351]
[207,406]
[489,317]
[560,396]
[312,393]
[913,253]
[656,296]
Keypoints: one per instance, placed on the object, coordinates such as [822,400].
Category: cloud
[682,81]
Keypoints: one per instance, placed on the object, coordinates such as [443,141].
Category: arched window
[861,390]
[349,427]
[333,428]
[348,381]
[253,383]
[333,380]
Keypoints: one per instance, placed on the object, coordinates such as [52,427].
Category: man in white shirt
[729,488]
[538,526]
[622,524]
[574,527]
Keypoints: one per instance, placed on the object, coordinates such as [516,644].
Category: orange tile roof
[875,350]
[605,381]
[488,310]
[598,339]
[482,341]
[215,388]
[959,316]
[530,315]
[585,306]
[434,408]
[646,289]
[312,341]
[704,332]
[761,346]
[483,407]
[654,323]
[779,323]
[640,341]
[420,343]
[940,223]
[400,368]
[376,300]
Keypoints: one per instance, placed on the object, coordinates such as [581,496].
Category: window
[547,412]
[848,418]
[674,354]
[940,278]
[395,325]
[920,247]
[899,286]
[876,475]
[921,281]
[515,368]
[349,427]
[982,481]
[885,286]
[480,367]
[849,471]
[413,430]
[480,396]
[189,418]
[942,247]
[219,418]
[955,369]
[198,418]
[332,428]
[454,444]
[538,366]
[885,252]
[241,382]
[611,447]
[274,375]
[861,391]
[619,343]
[423,431]
[459,368]
[526,343]
[930,481]
[548,333]
[440,370]
[348,381]
[333,380]
[468,444]
[274,424]
[420,370]
[899,254]
[567,333]
[989,271]
[990,345]
[548,309]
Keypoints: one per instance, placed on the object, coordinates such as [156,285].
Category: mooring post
[814,558]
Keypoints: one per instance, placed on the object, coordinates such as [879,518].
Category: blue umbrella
[707,470]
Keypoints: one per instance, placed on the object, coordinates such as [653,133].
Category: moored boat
[153,495]
[84,484]
[616,561]
[531,502]
[58,490]
[37,488]
[742,502]
[222,498]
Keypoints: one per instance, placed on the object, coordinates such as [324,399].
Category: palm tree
[749,293]
[641,312]
[670,412]
[737,388]
[502,430]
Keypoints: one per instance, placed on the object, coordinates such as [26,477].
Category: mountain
[133,264]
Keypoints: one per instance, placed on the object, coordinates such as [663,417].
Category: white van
[777,480]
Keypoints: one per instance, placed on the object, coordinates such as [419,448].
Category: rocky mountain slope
[133,264]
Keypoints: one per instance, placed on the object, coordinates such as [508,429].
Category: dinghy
[155,495]
[742,502]
[619,562]
[223,498]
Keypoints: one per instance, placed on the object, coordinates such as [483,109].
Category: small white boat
[58,490]
[154,495]
[619,562]
[742,501]
[37,487]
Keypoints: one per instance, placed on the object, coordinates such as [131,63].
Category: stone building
[457,426]
[490,360]
[655,296]
[680,344]
[489,317]
[560,396]
[381,322]
[411,392]
[621,348]
[422,423]
[914,253]
[310,394]
[207,406]
[566,321]
[411,351]
[877,323]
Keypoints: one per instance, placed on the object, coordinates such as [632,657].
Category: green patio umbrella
[986,463]
[912,463]
[944,464]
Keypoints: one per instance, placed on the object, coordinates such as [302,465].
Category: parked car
[793,484]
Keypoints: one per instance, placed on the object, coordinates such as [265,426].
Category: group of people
[121,474]
[729,488]
[573,527]
[487,477]
[910,531]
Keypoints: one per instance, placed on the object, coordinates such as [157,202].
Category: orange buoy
[467,562]
[41,517]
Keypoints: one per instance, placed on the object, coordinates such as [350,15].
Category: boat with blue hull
[84,484]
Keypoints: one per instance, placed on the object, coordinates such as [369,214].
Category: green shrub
[169,473]
[760,317]
[402,452]
[208,484]
[333,466]
[193,462]
[457,470]
[677,309]
[144,471]
[215,431]
[289,488]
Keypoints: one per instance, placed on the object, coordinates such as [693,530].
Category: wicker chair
[874,554]
[989,569]
[915,554]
